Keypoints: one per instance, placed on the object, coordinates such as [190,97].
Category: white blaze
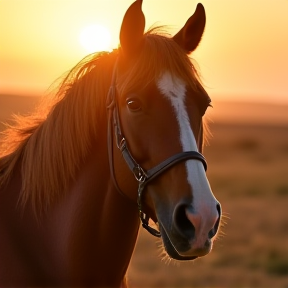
[174,89]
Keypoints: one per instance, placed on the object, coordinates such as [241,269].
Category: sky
[243,55]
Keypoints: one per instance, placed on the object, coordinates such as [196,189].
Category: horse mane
[52,142]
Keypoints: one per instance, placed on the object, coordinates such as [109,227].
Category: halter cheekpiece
[143,177]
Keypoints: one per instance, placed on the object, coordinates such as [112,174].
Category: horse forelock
[158,54]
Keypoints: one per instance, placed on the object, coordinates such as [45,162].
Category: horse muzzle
[190,234]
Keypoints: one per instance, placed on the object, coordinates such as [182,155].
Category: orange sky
[243,54]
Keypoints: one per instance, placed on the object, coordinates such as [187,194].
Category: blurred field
[247,169]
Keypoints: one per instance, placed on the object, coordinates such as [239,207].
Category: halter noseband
[143,177]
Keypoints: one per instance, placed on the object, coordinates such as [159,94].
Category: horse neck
[103,224]
[90,233]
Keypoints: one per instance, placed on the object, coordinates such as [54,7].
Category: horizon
[244,101]
[225,112]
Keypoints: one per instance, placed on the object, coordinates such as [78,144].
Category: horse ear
[132,28]
[190,35]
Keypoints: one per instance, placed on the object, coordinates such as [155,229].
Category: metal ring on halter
[139,174]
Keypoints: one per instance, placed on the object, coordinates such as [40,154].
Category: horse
[119,144]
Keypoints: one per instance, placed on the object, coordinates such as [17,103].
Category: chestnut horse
[120,143]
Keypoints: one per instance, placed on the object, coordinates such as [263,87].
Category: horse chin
[171,250]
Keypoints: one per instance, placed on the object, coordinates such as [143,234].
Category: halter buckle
[120,142]
[139,174]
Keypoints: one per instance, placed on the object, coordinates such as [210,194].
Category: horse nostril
[183,224]
[187,223]
[214,230]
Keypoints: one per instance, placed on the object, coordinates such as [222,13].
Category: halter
[143,177]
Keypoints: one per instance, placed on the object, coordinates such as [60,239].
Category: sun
[95,38]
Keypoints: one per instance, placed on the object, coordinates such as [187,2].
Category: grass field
[247,168]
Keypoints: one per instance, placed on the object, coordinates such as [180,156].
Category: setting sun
[95,38]
[250,65]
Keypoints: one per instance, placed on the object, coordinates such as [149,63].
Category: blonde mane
[52,143]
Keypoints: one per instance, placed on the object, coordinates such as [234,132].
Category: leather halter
[143,177]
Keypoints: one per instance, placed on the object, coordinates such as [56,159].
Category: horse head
[160,104]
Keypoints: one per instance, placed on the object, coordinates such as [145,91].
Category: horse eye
[133,104]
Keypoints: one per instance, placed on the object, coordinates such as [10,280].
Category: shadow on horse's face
[162,120]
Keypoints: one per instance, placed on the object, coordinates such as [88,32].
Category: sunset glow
[242,56]
[95,38]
